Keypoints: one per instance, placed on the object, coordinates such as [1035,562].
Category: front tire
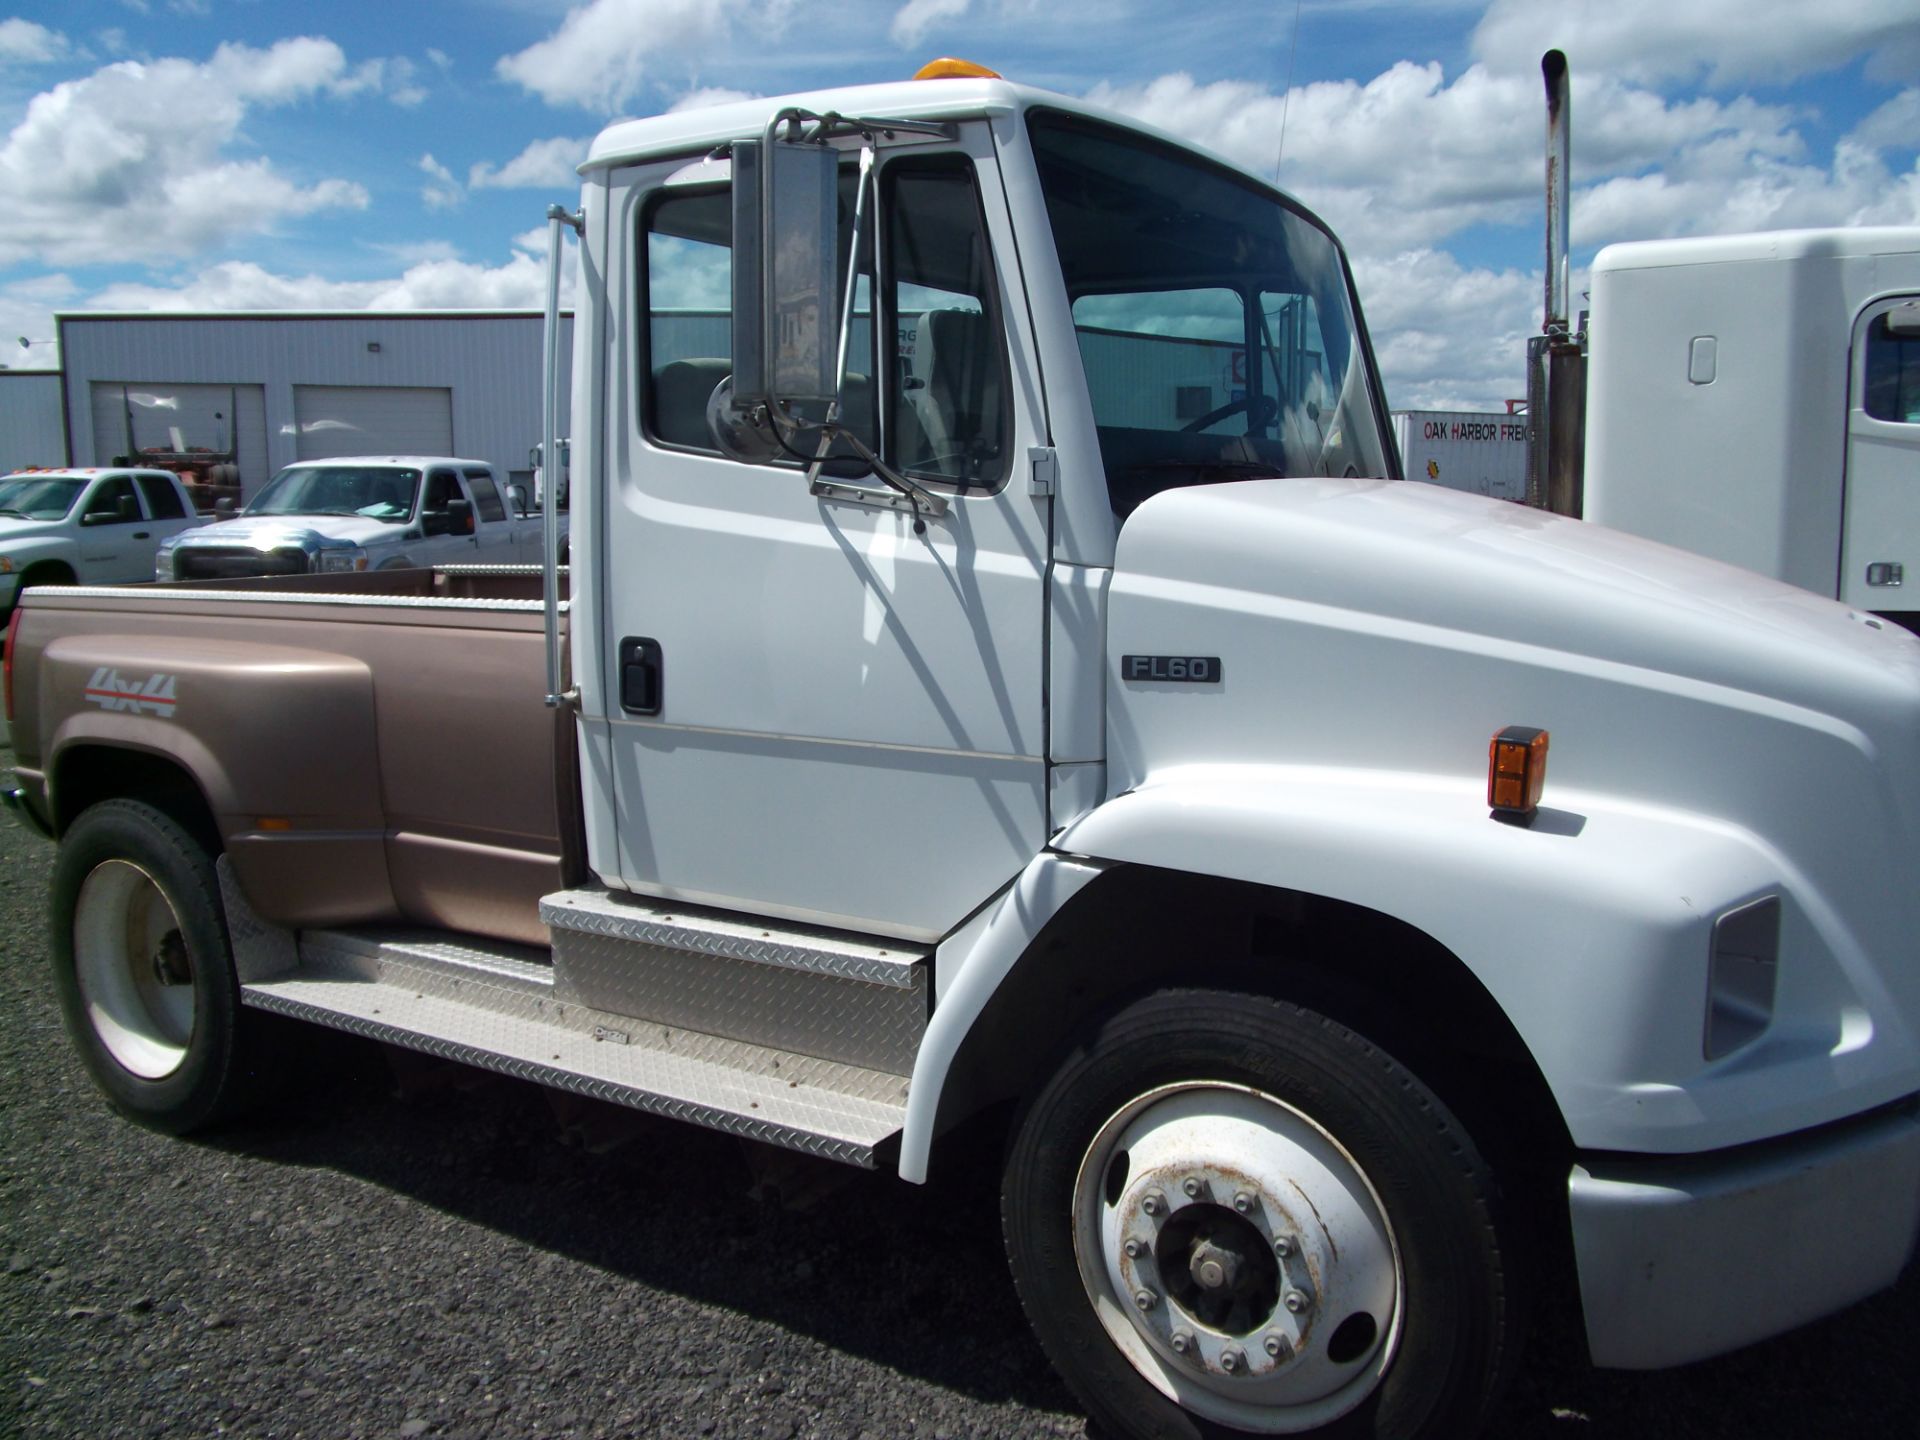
[1230,1216]
[144,971]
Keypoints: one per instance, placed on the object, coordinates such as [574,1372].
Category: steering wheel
[1269,407]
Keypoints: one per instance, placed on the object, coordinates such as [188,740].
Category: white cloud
[442,191]
[1895,125]
[543,164]
[432,284]
[1728,41]
[917,17]
[24,43]
[131,162]
[442,61]
[606,50]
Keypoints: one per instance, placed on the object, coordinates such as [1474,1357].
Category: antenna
[1286,98]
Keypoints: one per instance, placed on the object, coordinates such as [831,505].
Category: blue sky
[211,154]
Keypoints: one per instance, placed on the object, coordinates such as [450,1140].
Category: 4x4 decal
[111,690]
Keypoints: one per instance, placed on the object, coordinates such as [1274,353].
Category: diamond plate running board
[495,1006]
[810,990]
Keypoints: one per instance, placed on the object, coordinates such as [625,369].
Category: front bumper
[1681,1258]
[14,797]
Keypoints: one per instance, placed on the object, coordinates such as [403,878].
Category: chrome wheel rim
[136,979]
[1239,1257]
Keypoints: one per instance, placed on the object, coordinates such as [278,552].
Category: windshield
[38,497]
[379,492]
[1214,319]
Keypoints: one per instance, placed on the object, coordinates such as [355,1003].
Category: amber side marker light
[1516,773]
[949,68]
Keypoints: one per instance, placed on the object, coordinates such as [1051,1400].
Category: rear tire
[144,971]
[1230,1216]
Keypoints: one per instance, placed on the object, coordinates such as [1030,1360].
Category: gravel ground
[412,1248]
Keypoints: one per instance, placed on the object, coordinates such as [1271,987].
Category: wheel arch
[1378,975]
[86,773]
[49,572]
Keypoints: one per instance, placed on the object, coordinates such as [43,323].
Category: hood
[13,528]
[1393,627]
[307,532]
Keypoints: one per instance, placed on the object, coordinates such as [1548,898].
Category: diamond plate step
[806,989]
[498,1007]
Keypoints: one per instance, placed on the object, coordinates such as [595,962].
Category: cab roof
[968,98]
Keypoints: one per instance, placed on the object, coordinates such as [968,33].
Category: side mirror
[786,222]
[224,506]
[517,497]
[459,517]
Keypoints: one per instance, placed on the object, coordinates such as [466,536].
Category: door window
[113,503]
[486,495]
[943,360]
[163,501]
[1893,373]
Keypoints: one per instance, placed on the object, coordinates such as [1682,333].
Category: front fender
[1591,930]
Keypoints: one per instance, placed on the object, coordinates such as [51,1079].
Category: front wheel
[1229,1216]
[144,972]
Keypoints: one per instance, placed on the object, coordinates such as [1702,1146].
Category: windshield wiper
[8,510]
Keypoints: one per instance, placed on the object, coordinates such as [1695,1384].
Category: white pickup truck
[355,513]
[95,526]
[975,728]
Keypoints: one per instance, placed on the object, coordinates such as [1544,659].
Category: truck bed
[370,748]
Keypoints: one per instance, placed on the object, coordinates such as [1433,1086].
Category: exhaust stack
[1556,357]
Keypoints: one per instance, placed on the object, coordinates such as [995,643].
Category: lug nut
[1154,1203]
[1278,1346]
[1192,1187]
[1233,1361]
[1298,1301]
[1183,1342]
[1145,1300]
[1243,1202]
[1283,1247]
[1135,1249]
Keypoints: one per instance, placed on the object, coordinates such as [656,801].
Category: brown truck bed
[369,748]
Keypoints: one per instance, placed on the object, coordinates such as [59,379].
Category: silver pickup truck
[357,513]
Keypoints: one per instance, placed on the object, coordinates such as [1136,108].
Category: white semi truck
[924,737]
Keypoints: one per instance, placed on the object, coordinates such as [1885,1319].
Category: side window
[486,495]
[442,486]
[689,246]
[688,240]
[1893,371]
[163,501]
[947,415]
[114,500]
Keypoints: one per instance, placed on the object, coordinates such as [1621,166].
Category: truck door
[821,708]
[1880,551]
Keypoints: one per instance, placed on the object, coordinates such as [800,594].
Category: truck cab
[358,513]
[1756,398]
[86,526]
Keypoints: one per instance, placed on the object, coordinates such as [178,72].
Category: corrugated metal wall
[32,431]
[489,362]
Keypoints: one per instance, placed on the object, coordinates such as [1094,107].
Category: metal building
[32,431]
[259,390]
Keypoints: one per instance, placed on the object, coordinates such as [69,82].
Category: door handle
[143,534]
[641,676]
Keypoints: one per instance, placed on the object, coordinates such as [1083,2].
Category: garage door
[162,419]
[371,420]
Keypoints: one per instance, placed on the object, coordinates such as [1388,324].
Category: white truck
[1756,398]
[92,526]
[922,738]
[362,512]
[1753,398]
